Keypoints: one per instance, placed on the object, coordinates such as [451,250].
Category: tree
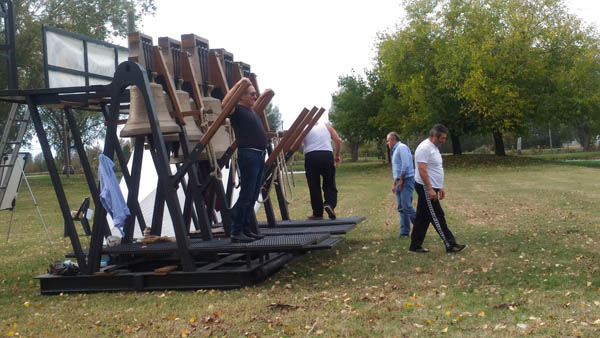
[352,108]
[273,117]
[495,66]
[98,19]
[414,62]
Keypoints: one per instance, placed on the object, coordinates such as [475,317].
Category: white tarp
[147,195]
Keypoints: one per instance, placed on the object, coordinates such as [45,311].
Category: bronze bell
[221,140]
[194,134]
[138,122]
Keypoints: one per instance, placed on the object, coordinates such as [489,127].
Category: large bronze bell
[138,122]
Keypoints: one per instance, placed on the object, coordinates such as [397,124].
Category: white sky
[297,48]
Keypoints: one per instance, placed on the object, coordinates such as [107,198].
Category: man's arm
[422,167]
[396,171]
[338,143]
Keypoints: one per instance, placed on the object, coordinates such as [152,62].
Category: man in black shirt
[252,143]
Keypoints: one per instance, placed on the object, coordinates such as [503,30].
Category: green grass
[582,159]
[531,267]
[567,156]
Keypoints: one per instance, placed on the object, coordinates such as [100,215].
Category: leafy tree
[495,66]
[353,106]
[414,62]
[273,117]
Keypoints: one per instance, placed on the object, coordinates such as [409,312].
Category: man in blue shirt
[404,181]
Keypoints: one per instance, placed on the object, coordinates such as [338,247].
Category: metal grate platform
[339,229]
[285,243]
[329,243]
[310,223]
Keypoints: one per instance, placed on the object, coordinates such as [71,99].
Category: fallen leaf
[499,327]
[282,306]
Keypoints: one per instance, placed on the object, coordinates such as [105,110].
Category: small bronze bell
[194,134]
[138,122]
[221,140]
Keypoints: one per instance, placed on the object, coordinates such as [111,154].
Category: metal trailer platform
[289,243]
[313,223]
[253,263]
[232,271]
[336,229]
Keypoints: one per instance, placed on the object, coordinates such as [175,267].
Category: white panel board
[64,51]
[101,59]
[60,79]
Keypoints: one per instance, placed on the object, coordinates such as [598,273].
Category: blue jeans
[251,163]
[404,198]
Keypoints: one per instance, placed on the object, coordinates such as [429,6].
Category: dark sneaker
[241,238]
[314,218]
[329,210]
[418,250]
[456,248]
[254,235]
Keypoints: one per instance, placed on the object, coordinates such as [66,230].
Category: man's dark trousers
[251,163]
[429,211]
[316,164]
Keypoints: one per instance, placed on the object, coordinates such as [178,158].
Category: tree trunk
[584,138]
[354,147]
[388,151]
[498,143]
[456,147]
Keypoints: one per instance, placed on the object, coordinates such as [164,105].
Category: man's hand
[337,160]
[432,194]
[397,186]
[442,193]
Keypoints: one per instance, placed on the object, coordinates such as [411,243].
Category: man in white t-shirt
[319,161]
[429,184]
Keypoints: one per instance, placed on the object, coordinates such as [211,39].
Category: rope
[284,179]
[234,165]
[212,158]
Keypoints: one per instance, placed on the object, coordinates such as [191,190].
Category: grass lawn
[531,266]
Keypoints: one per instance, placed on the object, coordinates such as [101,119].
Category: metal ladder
[11,147]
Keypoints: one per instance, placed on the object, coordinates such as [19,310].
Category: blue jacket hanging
[110,194]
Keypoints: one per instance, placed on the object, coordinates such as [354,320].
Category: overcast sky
[297,48]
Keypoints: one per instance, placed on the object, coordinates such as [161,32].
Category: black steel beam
[58,188]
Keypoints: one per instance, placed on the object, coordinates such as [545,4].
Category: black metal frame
[85,40]
[195,257]
[8,49]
